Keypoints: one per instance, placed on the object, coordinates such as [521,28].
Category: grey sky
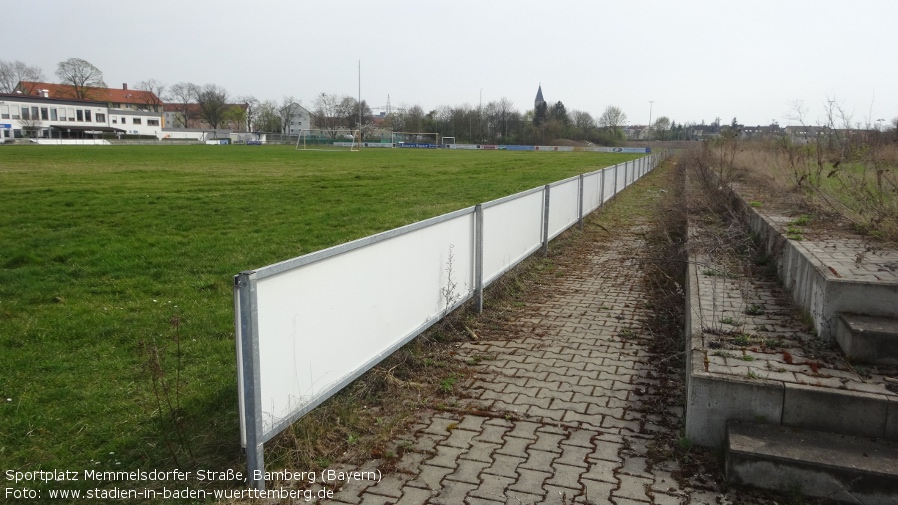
[697,60]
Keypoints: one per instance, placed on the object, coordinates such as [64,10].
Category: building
[44,110]
[540,107]
[636,132]
[299,119]
[46,117]
[123,99]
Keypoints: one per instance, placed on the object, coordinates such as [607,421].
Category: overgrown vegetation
[852,174]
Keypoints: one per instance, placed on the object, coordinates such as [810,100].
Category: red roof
[111,95]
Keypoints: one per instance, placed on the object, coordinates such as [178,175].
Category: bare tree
[17,75]
[613,117]
[154,97]
[184,94]
[287,112]
[505,111]
[252,110]
[662,125]
[213,104]
[326,113]
[81,75]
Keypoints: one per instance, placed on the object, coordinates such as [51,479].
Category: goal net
[328,140]
[447,141]
[416,139]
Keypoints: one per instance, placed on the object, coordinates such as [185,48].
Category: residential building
[300,119]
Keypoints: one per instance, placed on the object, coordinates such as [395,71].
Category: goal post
[416,139]
[328,140]
[447,141]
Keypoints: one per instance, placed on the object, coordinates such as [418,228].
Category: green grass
[101,247]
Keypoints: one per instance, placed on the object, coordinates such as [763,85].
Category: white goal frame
[436,137]
[336,140]
[443,141]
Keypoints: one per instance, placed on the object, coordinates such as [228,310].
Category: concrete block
[863,297]
[712,400]
[835,410]
[892,419]
[868,339]
[825,465]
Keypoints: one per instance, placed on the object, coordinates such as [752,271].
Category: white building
[300,119]
[43,117]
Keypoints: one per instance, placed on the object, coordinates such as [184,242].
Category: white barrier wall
[512,230]
[309,326]
[564,205]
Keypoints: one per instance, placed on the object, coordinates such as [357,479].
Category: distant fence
[309,326]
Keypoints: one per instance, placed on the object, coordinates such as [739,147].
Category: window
[25,114]
[101,117]
[79,114]
[87,116]
[124,120]
[45,114]
[71,114]
[15,112]
[4,111]
[114,120]
[152,122]
[34,112]
[53,115]
[136,120]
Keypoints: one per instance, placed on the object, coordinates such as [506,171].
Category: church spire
[540,107]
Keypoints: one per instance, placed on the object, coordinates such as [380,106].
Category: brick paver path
[559,414]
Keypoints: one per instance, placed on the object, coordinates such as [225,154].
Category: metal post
[602,189]
[546,221]
[478,257]
[615,180]
[580,205]
[250,388]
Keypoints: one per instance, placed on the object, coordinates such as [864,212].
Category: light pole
[651,102]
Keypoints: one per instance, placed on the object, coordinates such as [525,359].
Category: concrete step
[868,339]
[825,465]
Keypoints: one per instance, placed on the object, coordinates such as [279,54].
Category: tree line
[496,122]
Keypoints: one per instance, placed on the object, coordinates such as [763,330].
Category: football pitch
[116,273]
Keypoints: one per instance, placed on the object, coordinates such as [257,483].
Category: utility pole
[651,102]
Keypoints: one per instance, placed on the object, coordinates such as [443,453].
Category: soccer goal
[447,141]
[328,140]
[416,139]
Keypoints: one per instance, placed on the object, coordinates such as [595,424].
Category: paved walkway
[567,409]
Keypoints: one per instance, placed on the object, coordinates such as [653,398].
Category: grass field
[116,266]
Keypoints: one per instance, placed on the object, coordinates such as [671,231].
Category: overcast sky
[696,60]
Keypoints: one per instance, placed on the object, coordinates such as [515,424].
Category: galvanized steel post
[546,221]
[580,204]
[478,257]
[250,387]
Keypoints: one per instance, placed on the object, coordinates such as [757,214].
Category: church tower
[540,108]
